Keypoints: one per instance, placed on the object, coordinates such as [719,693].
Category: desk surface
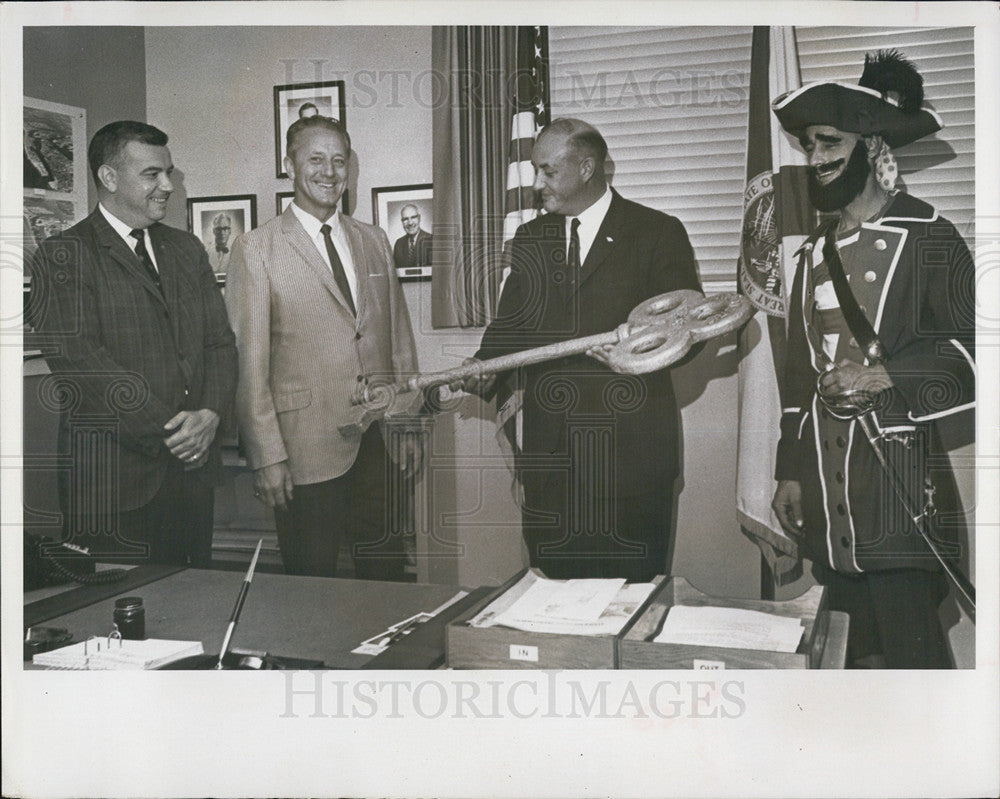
[303,617]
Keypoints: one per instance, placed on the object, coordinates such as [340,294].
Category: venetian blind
[672,105]
[939,169]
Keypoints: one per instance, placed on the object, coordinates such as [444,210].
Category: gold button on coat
[879,244]
[870,276]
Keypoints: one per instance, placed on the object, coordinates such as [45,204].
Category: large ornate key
[659,332]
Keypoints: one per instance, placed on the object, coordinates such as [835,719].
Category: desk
[304,617]
[314,618]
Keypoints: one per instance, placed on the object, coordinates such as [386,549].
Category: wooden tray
[638,651]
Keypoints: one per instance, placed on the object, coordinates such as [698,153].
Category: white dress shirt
[125,232]
[590,222]
[312,226]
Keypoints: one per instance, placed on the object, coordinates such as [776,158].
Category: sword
[860,404]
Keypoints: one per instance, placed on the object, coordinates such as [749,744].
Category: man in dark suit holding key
[600,450]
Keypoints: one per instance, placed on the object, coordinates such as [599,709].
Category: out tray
[637,650]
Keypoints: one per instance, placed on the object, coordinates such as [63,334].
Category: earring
[886,170]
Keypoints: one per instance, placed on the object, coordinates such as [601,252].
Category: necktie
[143,255]
[573,257]
[409,240]
[339,275]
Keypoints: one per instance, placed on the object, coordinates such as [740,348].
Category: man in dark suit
[414,248]
[600,450]
[143,361]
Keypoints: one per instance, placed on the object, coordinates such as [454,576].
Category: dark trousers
[893,616]
[175,526]
[349,509]
[571,534]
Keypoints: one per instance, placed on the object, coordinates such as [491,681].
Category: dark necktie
[409,240]
[339,275]
[143,255]
[573,257]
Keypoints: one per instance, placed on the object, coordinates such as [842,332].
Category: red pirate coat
[913,278]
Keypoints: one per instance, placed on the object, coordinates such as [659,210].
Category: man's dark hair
[108,143]
[299,126]
[583,138]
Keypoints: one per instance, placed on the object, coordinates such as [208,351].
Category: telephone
[42,568]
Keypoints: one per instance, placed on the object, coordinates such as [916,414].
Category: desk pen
[239,605]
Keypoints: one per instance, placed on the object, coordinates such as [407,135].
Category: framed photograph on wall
[406,214]
[298,100]
[218,221]
[282,200]
[55,169]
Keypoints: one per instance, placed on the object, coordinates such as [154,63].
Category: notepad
[104,655]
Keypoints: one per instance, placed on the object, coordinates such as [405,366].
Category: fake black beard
[839,192]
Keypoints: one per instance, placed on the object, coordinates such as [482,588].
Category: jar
[130,617]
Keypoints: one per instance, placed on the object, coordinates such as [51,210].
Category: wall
[75,66]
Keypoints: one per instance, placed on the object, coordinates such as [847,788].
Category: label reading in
[522,652]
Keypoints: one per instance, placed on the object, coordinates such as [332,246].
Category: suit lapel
[114,247]
[299,240]
[357,244]
[605,241]
[166,263]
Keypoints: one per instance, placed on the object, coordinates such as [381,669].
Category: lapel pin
[610,240]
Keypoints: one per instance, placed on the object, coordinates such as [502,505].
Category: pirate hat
[886,102]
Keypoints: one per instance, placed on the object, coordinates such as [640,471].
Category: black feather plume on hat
[894,77]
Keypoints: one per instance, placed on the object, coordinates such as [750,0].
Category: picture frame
[326,97]
[412,262]
[55,169]
[282,200]
[206,220]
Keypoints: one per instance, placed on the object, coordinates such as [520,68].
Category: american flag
[530,113]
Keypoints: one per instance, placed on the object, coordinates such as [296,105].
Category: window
[672,104]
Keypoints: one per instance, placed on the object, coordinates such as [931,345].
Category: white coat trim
[903,235]
[822,484]
[847,495]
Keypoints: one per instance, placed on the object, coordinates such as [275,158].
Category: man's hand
[787,506]
[191,434]
[272,485]
[600,353]
[480,384]
[408,454]
[848,375]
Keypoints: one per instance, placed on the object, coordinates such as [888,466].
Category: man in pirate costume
[881,309]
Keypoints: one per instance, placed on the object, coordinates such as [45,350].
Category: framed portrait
[298,100]
[406,214]
[282,199]
[218,221]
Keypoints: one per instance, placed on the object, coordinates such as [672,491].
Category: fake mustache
[833,166]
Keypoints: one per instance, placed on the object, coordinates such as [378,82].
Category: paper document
[378,643]
[99,654]
[730,627]
[574,607]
